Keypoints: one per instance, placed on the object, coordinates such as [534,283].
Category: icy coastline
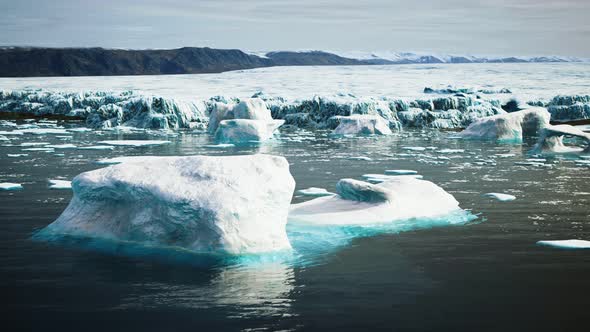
[102,110]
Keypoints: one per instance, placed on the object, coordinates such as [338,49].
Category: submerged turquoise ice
[311,243]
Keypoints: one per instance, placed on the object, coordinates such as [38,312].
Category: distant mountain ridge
[36,61]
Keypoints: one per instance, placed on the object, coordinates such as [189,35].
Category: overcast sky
[487,27]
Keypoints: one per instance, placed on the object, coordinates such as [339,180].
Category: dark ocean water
[484,275]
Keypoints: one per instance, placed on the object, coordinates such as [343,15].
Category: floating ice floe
[231,204]
[551,140]
[510,127]
[500,197]
[61,146]
[451,151]
[362,124]
[360,202]
[400,172]
[315,192]
[96,147]
[34,144]
[44,131]
[364,158]
[79,130]
[135,143]
[378,178]
[43,149]
[414,148]
[59,184]
[12,132]
[10,186]
[566,244]
[219,146]
[16,155]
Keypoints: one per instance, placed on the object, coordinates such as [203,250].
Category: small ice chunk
[378,178]
[135,143]
[219,146]
[566,244]
[365,158]
[79,130]
[16,155]
[10,186]
[501,197]
[414,148]
[44,131]
[61,146]
[96,147]
[451,151]
[315,192]
[400,172]
[59,184]
[40,149]
[34,144]
[12,132]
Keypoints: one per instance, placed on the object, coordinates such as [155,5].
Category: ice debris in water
[315,192]
[501,197]
[228,204]
[135,143]
[10,186]
[16,155]
[566,244]
[361,202]
[510,127]
[59,184]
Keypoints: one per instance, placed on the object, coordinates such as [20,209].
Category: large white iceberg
[551,140]
[509,126]
[232,204]
[360,202]
[362,124]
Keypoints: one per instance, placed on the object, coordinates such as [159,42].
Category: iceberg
[245,130]
[360,202]
[501,197]
[566,244]
[59,184]
[551,140]
[210,204]
[358,124]
[10,186]
[248,121]
[509,126]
